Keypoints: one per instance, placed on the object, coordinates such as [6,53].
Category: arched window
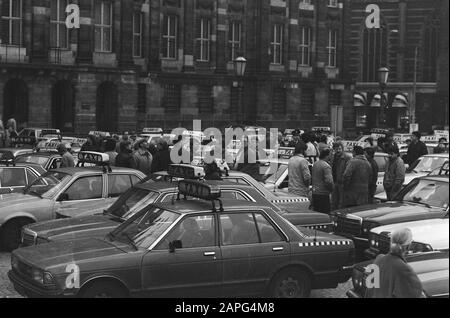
[431,52]
[374,53]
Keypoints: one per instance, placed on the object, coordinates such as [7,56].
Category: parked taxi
[206,247]
[63,189]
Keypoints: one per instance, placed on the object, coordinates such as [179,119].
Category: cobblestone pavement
[7,290]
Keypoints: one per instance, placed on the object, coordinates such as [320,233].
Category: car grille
[28,240]
[348,226]
[384,244]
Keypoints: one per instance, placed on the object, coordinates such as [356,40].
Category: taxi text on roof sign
[186,171]
[93,158]
[198,190]
[286,153]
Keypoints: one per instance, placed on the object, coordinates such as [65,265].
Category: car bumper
[352,294]
[27,289]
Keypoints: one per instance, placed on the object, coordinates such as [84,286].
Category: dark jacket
[415,151]
[339,165]
[397,279]
[322,178]
[124,160]
[143,161]
[373,182]
[357,177]
[161,161]
[67,161]
[394,177]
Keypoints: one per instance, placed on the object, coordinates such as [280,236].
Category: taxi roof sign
[152,131]
[24,141]
[6,158]
[96,158]
[186,171]
[286,153]
[199,190]
[321,129]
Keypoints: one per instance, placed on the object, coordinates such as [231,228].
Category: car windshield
[428,192]
[428,164]
[131,202]
[145,227]
[39,160]
[48,184]
[268,174]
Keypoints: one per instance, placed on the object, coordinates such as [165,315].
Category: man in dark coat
[357,177]
[125,157]
[394,177]
[161,159]
[339,164]
[396,278]
[417,148]
[370,155]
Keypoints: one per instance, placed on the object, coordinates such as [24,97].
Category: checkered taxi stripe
[319,227]
[329,243]
[291,200]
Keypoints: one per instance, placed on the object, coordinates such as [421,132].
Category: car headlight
[42,277]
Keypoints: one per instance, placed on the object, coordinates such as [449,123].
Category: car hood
[10,203]
[62,253]
[74,228]
[393,212]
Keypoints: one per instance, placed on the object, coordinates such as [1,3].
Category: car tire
[11,234]
[104,290]
[290,283]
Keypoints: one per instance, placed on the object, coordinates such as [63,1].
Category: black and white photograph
[220,150]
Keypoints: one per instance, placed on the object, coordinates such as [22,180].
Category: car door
[252,247]
[84,193]
[117,184]
[194,270]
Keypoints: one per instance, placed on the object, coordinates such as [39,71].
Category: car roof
[437,155]
[163,185]
[200,206]
[41,154]
[90,170]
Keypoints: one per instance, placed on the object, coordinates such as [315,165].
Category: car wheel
[11,232]
[104,290]
[290,283]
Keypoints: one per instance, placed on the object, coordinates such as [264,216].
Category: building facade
[165,63]
[412,42]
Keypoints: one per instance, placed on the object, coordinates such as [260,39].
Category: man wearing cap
[66,158]
[397,279]
[417,148]
[299,173]
[394,177]
[339,164]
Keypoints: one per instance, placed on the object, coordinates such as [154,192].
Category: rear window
[12,177]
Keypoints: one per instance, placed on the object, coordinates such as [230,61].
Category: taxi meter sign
[286,153]
[24,141]
[199,190]
[186,172]
[93,158]
[6,157]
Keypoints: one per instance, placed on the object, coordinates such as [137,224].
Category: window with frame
[12,177]
[86,188]
[137,33]
[332,48]
[103,26]
[12,22]
[172,98]
[333,3]
[431,52]
[234,40]
[276,44]
[59,33]
[305,1]
[169,37]
[374,53]
[203,39]
[305,46]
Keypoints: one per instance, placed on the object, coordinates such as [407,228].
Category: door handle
[278,249]
[210,254]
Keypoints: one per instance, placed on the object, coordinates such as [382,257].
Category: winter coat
[415,151]
[397,279]
[339,165]
[394,177]
[142,161]
[161,161]
[124,160]
[373,182]
[299,176]
[357,177]
[322,178]
[67,161]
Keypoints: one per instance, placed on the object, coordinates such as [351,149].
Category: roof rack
[200,190]
[96,158]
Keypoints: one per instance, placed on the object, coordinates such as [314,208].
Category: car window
[237,180]
[12,177]
[134,179]
[429,192]
[118,184]
[31,177]
[86,188]
[233,195]
[40,160]
[267,232]
[193,232]
[132,201]
[55,164]
[238,229]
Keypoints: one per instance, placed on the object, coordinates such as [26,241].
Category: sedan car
[424,198]
[431,268]
[428,236]
[206,247]
[47,160]
[59,190]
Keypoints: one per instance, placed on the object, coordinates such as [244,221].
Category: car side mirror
[63,197]
[175,245]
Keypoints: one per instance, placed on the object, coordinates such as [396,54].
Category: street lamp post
[240,65]
[383,77]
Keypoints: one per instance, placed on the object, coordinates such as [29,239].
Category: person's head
[389,137]
[125,146]
[338,148]
[323,139]
[442,142]
[325,154]
[110,145]
[393,152]
[162,144]
[408,142]
[401,241]
[370,153]
[300,148]
[142,145]
[358,151]
[416,136]
[61,149]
